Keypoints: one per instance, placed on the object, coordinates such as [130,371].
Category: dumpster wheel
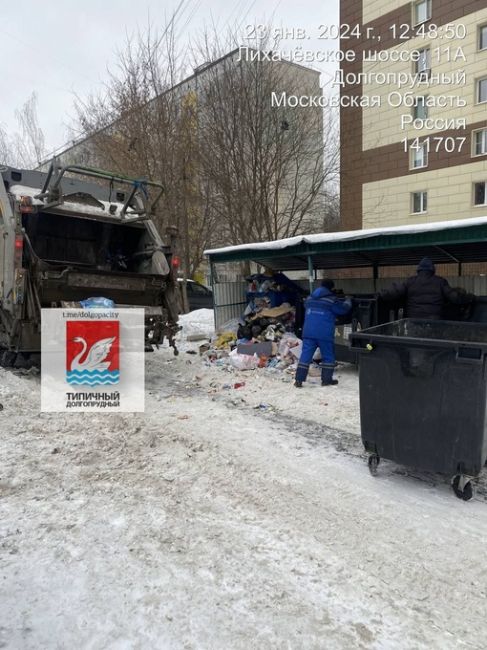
[462,487]
[373,463]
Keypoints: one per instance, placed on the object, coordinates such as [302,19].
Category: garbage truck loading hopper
[71,257]
[64,243]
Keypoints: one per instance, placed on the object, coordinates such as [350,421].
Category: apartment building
[414,141]
[304,168]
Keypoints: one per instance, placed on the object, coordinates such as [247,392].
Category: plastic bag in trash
[230,326]
[97,303]
[243,361]
[290,344]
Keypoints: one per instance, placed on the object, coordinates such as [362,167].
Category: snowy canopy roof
[461,240]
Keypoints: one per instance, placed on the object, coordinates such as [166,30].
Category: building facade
[413,112]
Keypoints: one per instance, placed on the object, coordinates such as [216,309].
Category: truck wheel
[465,493]
[373,462]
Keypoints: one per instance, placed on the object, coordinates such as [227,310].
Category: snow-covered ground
[227,518]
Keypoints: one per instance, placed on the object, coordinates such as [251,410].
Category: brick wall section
[444,11]
[358,167]
[390,161]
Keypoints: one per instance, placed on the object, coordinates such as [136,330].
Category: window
[421,11]
[483,37]
[419,156]
[420,110]
[479,193]
[419,202]
[479,142]
[423,65]
[482,90]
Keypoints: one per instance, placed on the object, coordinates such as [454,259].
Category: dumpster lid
[442,333]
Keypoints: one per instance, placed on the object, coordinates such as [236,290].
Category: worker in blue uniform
[321,310]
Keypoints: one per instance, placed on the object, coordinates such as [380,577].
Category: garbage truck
[76,233]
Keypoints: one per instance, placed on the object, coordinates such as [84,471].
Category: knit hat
[426,265]
[328,284]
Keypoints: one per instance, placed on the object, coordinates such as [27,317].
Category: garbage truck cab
[73,234]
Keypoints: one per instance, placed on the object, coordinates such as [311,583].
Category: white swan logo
[95,357]
[92,353]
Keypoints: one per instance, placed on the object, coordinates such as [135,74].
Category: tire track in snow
[315,434]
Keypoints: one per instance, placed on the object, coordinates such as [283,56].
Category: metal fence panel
[229,301]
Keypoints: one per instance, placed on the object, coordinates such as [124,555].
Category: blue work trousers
[327,349]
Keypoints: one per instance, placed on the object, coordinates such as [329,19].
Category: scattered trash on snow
[265,407]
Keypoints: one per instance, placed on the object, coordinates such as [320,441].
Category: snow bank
[209,523]
[200,321]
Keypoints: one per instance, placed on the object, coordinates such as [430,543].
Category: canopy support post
[213,281]
[310,273]
[376,275]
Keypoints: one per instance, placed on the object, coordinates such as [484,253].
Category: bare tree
[31,144]
[331,213]
[144,125]
[269,167]
[235,167]
[7,155]
[26,147]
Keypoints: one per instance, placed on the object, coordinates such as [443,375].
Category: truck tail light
[19,247]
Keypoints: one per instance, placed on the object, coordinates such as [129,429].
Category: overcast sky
[61,47]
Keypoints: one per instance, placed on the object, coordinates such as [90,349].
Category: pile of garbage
[264,336]
[271,347]
[267,324]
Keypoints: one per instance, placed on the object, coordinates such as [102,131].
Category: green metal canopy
[460,241]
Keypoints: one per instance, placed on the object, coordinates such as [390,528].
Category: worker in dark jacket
[426,293]
[321,310]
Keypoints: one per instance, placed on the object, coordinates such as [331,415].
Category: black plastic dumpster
[478,311]
[423,391]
